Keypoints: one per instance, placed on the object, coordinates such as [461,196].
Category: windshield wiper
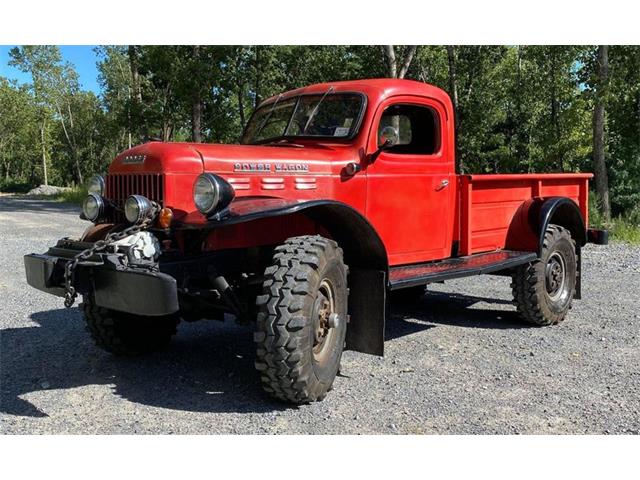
[315,109]
[268,116]
[283,142]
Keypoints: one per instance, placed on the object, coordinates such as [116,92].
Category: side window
[418,129]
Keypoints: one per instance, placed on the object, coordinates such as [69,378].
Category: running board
[423,273]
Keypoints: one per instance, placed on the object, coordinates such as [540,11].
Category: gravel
[458,361]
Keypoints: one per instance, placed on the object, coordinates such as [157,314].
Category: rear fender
[564,212]
[534,216]
[526,231]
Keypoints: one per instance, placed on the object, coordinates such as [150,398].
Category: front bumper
[111,283]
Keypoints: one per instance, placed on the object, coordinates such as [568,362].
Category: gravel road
[458,361]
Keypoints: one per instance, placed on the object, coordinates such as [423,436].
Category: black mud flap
[367,309]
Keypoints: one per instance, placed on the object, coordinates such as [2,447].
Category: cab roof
[376,89]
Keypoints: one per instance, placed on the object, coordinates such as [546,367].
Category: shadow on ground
[439,308]
[208,368]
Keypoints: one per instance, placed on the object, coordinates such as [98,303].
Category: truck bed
[489,203]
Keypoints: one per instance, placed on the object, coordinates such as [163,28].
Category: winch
[142,246]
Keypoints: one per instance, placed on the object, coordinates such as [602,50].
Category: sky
[82,57]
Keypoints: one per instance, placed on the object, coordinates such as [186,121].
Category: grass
[624,228]
[74,195]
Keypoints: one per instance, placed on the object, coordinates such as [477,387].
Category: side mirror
[388,138]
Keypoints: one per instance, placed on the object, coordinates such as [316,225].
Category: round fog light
[137,208]
[92,207]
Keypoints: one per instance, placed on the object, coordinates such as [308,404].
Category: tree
[518,108]
[599,110]
[54,84]
[18,128]
[453,91]
[41,63]
[398,68]
[623,129]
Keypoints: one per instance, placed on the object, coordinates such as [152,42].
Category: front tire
[543,290]
[125,334]
[302,319]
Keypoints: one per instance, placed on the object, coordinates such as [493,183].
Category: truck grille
[120,186]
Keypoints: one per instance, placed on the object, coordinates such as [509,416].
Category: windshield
[323,115]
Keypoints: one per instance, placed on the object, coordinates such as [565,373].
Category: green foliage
[520,108]
[10,185]
[623,228]
[73,195]
[625,231]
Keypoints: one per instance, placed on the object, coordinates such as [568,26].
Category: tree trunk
[241,104]
[600,167]
[135,77]
[137,115]
[406,63]
[196,106]
[555,114]
[44,151]
[392,66]
[453,91]
[258,77]
[392,61]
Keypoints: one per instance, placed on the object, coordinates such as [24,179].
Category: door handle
[443,184]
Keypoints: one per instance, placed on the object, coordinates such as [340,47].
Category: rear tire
[543,290]
[125,334]
[302,319]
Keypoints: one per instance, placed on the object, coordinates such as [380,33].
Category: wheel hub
[324,317]
[555,275]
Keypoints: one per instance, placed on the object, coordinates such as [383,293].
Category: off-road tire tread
[527,286]
[282,350]
[101,323]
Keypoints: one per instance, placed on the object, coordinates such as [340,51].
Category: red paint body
[400,195]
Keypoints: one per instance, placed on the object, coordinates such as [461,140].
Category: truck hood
[194,158]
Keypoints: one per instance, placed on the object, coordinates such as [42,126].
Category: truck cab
[336,195]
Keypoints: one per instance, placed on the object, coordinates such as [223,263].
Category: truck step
[422,273]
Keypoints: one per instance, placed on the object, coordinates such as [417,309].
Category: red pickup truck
[336,195]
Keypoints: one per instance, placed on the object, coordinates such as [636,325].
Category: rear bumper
[599,237]
[139,291]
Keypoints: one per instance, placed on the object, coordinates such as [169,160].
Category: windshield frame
[354,131]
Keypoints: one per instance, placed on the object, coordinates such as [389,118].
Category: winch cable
[71,294]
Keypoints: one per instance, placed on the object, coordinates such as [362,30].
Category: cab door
[411,186]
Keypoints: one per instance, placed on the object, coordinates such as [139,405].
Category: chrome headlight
[93,207]
[211,193]
[96,185]
[137,208]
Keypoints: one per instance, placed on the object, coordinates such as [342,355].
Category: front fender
[364,253]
